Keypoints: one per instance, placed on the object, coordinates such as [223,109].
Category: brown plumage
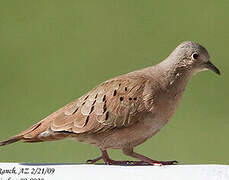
[125,111]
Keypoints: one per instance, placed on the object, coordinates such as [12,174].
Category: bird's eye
[195,56]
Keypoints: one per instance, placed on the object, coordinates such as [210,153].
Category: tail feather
[34,134]
[22,136]
[11,140]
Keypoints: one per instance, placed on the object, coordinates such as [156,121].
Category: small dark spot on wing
[115,92]
[75,111]
[86,97]
[92,108]
[87,119]
[104,107]
[107,115]
[104,97]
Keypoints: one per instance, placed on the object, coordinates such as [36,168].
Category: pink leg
[109,161]
[151,161]
[145,159]
[93,161]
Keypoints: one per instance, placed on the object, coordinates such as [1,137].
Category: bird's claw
[89,161]
[168,162]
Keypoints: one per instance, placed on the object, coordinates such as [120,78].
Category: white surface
[107,172]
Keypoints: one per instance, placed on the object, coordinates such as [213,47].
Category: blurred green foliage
[51,52]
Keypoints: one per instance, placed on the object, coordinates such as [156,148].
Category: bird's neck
[173,75]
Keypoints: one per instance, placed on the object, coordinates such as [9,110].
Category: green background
[52,52]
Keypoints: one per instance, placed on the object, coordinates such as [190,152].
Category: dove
[125,111]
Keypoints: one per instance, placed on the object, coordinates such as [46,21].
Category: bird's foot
[93,161]
[153,163]
[143,160]
[113,162]
[135,163]
[169,162]
[162,162]
[147,160]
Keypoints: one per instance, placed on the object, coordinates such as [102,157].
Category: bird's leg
[151,161]
[93,161]
[146,160]
[143,159]
[109,161]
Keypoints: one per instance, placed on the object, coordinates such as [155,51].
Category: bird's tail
[11,140]
[37,133]
[22,136]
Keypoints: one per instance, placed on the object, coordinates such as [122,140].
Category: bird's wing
[112,104]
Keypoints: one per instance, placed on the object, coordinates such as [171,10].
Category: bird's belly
[129,136]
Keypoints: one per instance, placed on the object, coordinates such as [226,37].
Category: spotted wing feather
[112,104]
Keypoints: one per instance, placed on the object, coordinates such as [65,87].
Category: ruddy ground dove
[125,111]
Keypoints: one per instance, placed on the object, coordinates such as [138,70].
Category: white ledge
[15,171]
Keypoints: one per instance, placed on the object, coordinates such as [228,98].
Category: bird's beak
[212,67]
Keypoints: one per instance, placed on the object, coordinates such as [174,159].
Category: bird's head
[192,57]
